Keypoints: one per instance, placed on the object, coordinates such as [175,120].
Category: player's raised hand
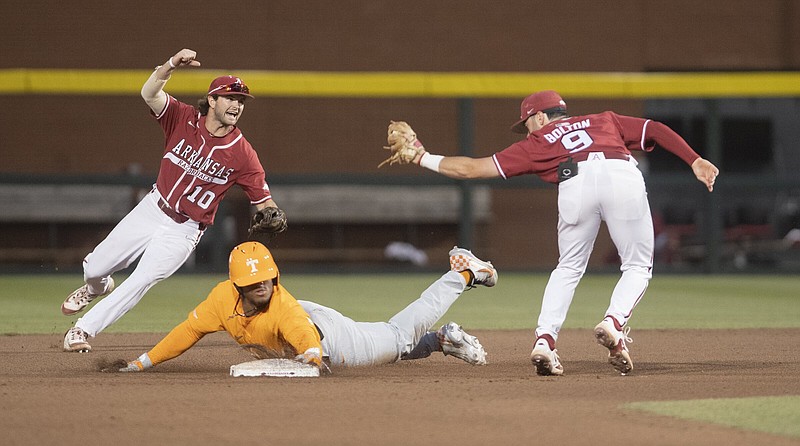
[184,57]
[706,172]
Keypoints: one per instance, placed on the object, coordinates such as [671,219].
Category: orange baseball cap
[251,262]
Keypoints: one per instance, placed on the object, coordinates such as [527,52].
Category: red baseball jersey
[198,168]
[543,150]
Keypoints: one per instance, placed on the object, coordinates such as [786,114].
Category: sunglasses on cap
[236,87]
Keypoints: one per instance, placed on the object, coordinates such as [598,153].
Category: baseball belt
[583,156]
[174,215]
[569,168]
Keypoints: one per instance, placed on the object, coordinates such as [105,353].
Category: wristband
[169,61]
[144,359]
[430,161]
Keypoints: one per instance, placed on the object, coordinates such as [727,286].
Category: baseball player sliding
[255,309]
[589,158]
[204,155]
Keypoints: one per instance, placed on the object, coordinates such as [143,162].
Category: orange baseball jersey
[284,326]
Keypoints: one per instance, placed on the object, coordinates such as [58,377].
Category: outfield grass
[31,303]
[779,415]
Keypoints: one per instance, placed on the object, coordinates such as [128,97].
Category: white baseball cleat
[455,341]
[483,272]
[80,298]
[545,359]
[76,340]
[615,340]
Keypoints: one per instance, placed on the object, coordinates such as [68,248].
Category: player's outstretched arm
[706,172]
[458,167]
[406,148]
[660,134]
[464,167]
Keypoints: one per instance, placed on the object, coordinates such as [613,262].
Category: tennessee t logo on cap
[252,263]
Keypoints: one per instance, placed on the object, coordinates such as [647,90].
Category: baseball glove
[267,222]
[403,144]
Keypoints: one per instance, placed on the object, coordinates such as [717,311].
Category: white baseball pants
[147,234]
[350,343]
[604,190]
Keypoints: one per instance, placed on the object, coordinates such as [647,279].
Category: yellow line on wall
[413,84]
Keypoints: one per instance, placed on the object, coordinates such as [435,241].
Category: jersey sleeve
[174,113]
[296,326]
[253,179]
[180,339]
[512,161]
[645,134]
[202,320]
[167,115]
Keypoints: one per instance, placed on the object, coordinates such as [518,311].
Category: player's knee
[149,277]
[570,271]
[93,270]
[644,271]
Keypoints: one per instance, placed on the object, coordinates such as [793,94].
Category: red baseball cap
[539,101]
[229,85]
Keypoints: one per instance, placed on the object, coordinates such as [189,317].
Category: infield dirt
[54,398]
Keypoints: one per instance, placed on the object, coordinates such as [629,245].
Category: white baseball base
[278,367]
